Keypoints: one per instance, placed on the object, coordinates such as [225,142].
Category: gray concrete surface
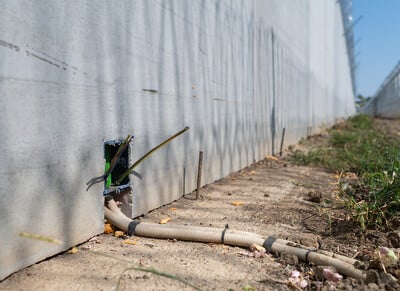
[74,74]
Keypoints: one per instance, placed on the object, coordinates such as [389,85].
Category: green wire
[110,165]
[108,179]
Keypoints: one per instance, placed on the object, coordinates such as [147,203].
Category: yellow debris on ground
[108,228]
[165,220]
[118,233]
[73,251]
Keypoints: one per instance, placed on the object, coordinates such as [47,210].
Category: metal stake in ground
[199,174]
[184,182]
[282,141]
[309,132]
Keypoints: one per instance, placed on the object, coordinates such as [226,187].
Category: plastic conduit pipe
[343,265]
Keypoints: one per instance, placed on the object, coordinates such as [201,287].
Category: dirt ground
[273,197]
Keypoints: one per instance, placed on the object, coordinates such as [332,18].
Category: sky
[379,46]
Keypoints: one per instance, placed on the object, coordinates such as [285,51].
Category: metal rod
[282,141]
[273,117]
[199,174]
[309,129]
[184,182]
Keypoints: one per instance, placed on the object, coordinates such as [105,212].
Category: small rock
[314,196]
[394,238]
[331,276]
[362,265]
[289,258]
[354,282]
[373,277]
[382,240]
[309,240]
[365,258]
[390,282]
[396,273]
[319,271]
[373,286]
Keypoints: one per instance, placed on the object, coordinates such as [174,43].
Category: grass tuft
[361,147]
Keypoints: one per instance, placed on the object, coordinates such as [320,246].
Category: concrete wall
[72,75]
[386,102]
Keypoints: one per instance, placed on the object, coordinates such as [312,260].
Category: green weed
[359,146]
[313,157]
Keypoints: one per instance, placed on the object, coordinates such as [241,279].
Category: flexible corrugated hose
[344,265]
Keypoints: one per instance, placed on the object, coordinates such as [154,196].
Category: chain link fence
[386,101]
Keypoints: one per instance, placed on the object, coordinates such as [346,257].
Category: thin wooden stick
[156,272]
[282,141]
[199,174]
[127,172]
[150,270]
